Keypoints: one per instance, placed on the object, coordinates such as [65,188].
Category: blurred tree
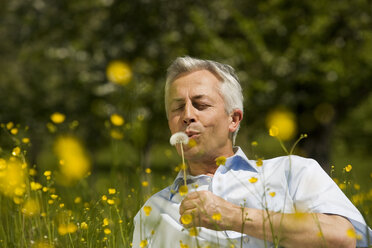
[313,58]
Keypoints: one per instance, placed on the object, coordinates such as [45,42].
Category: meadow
[74,205]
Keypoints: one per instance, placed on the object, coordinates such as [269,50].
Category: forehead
[201,82]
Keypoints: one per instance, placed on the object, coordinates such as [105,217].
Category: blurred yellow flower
[105,222]
[143,243]
[111,191]
[84,225]
[31,207]
[192,143]
[183,190]
[16,151]
[357,186]
[148,170]
[186,219]
[32,172]
[352,234]
[348,168]
[118,72]
[9,125]
[254,143]
[116,134]
[107,231]
[104,198]
[147,210]
[182,245]
[47,173]
[53,196]
[12,178]
[77,200]
[253,179]
[259,162]
[14,131]
[75,164]
[145,183]
[220,160]
[216,216]
[42,244]
[35,186]
[117,119]
[111,201]
[272,194]
[64,229]
[193,232]
[26,140]
[281,124]
[57,117]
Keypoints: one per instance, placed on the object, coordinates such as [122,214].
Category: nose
[189,114]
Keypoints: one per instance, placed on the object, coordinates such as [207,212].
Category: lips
[192,134]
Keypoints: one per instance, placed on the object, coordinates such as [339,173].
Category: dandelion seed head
[178,138]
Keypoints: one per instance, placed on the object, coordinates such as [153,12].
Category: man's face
[197,108]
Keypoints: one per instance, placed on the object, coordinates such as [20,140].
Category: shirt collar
[236,162]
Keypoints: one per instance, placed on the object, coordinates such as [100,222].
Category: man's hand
[208,210]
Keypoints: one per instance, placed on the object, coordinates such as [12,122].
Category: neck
[205,167]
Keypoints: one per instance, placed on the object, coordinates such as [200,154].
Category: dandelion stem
[183,165]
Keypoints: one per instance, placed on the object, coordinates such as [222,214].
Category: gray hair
[230,89]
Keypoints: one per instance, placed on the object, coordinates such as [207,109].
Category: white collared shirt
[285,184]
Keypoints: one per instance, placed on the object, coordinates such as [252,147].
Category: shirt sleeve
[314,191]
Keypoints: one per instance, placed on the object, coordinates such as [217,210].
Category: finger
[189,205]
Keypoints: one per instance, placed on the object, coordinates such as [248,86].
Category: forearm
[294,230]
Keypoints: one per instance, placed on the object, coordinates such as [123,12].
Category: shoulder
[292,162]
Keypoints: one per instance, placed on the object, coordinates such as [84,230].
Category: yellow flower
[147,210]
[104,198]
[47,173]
[281,123]
[77,200]
[143,243]
[352,234]
[61,205]
[57,117]
[342,186]
[192,143]
[272,194]
[273,131]
[253,179]
[220,160]
[32,172]
[193,232]
[216,216]
[254,143]
[111,201]
[148,170]
[186,219]
[76,163]
[259,162]
[107,231]
[31,207]
[118,72]
[26,140]
[111,191]
[84,225]
[357,186]
[116,134]
[348,168]
[53,196]
[105,222]
[64,229]
[9,125]
[14,131]
[117,119]
[145,183]
[35,186]
[16,151]
[183,190]
[182,245]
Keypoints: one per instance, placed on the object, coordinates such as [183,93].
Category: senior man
[286,201]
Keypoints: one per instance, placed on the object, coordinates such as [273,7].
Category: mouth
[192,134]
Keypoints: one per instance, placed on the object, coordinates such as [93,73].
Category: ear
[236,117]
